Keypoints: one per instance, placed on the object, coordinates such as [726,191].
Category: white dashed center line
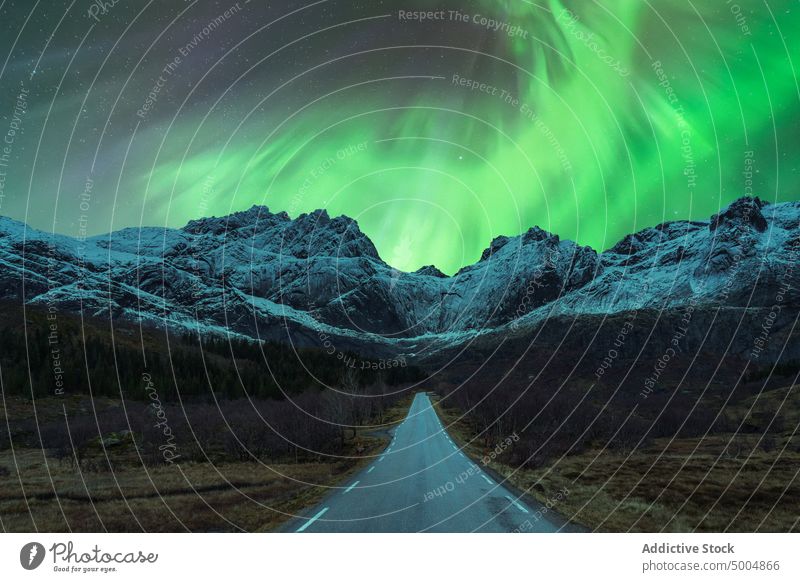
[517,505]
[312,520]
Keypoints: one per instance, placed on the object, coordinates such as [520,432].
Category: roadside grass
[39,492]
[191,496]
[723,482]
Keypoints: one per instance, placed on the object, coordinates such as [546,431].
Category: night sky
[589,119]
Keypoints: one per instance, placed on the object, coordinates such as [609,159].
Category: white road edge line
[312,520]
[351,487]
[489,481]
[517,505]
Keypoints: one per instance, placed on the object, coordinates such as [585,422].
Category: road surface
[422,483]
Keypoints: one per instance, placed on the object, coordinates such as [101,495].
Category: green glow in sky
[581,132]
[600,120]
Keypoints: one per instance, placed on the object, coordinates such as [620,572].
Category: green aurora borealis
[592,123]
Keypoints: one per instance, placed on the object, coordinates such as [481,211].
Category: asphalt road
[422,483]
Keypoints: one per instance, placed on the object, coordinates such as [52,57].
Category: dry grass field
[738,482]
[39,492]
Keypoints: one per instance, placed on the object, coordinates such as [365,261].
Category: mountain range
[319,281]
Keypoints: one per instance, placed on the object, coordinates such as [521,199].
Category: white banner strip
[390,557]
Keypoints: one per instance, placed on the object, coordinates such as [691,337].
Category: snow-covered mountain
[321,280]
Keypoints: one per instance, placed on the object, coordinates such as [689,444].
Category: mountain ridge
[267,276]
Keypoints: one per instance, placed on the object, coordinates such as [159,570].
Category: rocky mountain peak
[318,217]
[745,211]
[536,234]
[496,244]
[254,269]
[317,234]
[257,217]
[431,271]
